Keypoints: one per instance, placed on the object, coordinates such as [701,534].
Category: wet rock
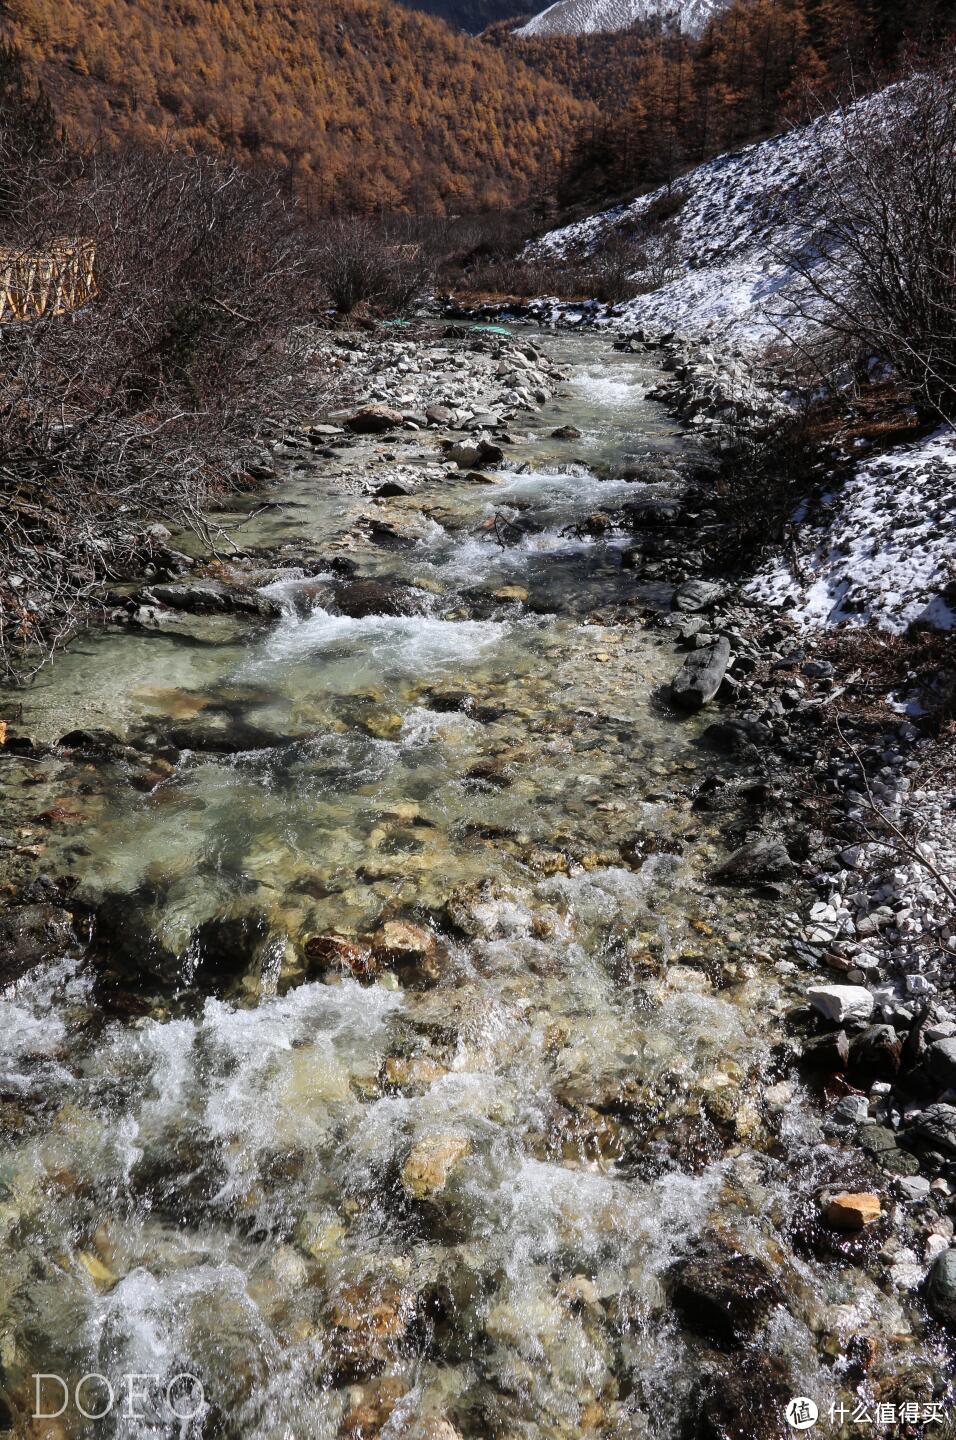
[755,863]
[212,597]
[724,1296]
[366,1322]
[31,933]
[743,1399]
[430,1163]
[374,420]
[372,1408]
[827,1052]
[402,945]
[362,598]
[342,953]
[566,432]
[854,1211]
[391,489]
[941,1061]
[940,1288]
[473,455]
[936,1126]
[696,595]
[440,415]
[698,680]
[875,1054]
[880,1142]
[851,1110]
[841,1002]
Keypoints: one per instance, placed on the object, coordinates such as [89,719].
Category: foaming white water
[32,1030]
[608,388]
[422,726]
[413,644]
[251,1080]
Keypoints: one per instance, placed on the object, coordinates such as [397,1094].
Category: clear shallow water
[429,1194]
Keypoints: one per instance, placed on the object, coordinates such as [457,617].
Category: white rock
[841,1002]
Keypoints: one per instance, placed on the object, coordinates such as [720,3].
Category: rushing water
[444,1186]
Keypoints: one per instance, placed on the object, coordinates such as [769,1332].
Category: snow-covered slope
[883,547]
[581,17]
[737,213]
[883,550]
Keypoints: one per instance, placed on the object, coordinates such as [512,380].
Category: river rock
[724,1296]
[430,1163]
[566,432]
[343,953]
[827,1052]
[31,933]
[941,1061]
[742,1399]
[936,1125]
[841,1002]
[374,420]
[698,680]
[440,415]
[359,599]
[470,455]
[875,1054]
[401,944]
[941,1288]
[696,595]
[212,597]
[756,862]
[854,1211]
[392,490]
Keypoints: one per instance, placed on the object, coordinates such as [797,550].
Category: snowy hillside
[580,17]
[736,215]
[884,547]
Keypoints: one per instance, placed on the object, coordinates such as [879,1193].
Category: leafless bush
[145,400]
[374,262]
[877,257]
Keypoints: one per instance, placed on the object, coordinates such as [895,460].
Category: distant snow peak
[580,17]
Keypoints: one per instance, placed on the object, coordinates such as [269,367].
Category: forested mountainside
[670,100]
[473,15]
[365,103]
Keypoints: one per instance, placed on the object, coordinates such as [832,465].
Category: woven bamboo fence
[46,282]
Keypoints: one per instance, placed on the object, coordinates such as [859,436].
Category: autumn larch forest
[365,105]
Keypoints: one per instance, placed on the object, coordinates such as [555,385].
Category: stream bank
[428,1071]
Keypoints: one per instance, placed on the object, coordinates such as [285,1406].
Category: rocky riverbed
[415,1017]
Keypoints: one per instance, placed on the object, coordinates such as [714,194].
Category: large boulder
[212,597]
[374,420]
[699,678]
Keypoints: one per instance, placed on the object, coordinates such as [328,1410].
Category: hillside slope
[881,548]
[364,102]
[732,216]
[577,17]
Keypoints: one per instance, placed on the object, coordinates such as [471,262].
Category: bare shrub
[145,400]
[764,471]
[877,254]
[373,262]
